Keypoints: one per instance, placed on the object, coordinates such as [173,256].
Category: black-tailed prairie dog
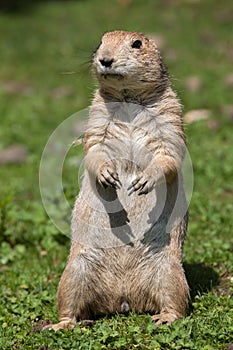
[130,218]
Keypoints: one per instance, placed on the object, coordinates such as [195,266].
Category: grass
[36,47]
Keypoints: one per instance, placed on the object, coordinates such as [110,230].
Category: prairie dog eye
[136,44]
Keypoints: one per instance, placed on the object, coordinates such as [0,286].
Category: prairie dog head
[128,60]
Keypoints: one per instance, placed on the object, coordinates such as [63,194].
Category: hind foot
[68,324]
[164,318]
[87,323]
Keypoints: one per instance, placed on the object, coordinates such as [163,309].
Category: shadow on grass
[201,278]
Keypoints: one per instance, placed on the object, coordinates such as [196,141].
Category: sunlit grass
[36,49]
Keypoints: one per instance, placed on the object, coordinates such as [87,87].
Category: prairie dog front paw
[108,176]
[144,182]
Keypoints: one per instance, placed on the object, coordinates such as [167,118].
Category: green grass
[36,47]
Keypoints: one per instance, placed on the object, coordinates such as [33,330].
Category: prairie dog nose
[106,62]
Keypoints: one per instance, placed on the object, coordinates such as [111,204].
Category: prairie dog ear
[162,65]
[152,44]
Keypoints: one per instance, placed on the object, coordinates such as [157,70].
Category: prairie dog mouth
[113,75]
[109,73]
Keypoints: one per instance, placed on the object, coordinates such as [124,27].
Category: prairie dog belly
[111,217]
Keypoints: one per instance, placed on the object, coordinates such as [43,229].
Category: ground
[45,55]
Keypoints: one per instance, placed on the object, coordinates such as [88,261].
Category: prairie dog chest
[132,133]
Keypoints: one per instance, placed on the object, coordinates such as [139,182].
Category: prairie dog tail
[124,306]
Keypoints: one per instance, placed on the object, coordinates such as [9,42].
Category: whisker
[68,73]
[72,64]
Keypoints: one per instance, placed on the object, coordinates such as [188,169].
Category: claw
[134,182]
[109,177]
[60,325]
[130,192]
[87,323]
[164,318]
[138,184]
[143,190]
[115,176]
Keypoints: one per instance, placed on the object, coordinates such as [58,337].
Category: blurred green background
[45,55]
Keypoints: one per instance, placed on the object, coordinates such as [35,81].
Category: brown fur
[126,251]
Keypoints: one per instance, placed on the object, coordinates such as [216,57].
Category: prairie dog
[130,218]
